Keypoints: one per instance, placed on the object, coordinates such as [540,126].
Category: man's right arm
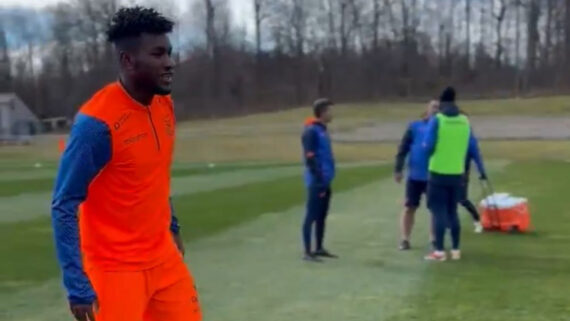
[88,151]
[310,145]
[403,150]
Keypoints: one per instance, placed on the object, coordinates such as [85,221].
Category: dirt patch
[486,128]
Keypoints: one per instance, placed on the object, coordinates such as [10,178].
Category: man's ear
[126,60]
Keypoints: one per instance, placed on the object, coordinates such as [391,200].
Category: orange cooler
[506,217]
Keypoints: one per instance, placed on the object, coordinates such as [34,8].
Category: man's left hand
[179,243]
[398,177]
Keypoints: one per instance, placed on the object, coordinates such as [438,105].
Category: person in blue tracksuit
[319,175]
[417,165]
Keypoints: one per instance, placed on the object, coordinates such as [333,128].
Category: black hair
[129,23]
[321,105]
[448,95]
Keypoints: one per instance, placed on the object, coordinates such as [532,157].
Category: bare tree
[351,49]
[375,24]
[5,66]
[344,30]
[500,18]
[331,24]
[468,33]
[517,4]
[210,27]
[299,25]
[567,34]
[532,33]
[546,50]
[259,16]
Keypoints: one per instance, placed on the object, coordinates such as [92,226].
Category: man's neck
[321,121]
[142,97]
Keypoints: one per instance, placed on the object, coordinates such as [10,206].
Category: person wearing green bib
[450,144]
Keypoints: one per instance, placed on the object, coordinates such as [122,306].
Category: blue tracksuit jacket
[318,155]
[411,146]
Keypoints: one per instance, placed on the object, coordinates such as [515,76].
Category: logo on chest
[121,121]
[168,125]
[135,139]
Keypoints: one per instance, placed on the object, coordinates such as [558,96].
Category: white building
[17,121]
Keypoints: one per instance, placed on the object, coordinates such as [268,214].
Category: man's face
[433,108]
[327,115]
[152,67]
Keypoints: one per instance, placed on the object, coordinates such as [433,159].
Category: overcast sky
[241,9]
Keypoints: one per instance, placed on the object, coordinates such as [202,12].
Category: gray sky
[242,11]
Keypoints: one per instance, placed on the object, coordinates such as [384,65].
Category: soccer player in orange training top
[117,239]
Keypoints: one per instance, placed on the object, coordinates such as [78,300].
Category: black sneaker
[325,253]
[405,245]
[311,258]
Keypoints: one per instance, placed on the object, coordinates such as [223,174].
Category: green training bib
[451,147]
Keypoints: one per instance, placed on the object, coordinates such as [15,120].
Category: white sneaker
[478,228]
[455,255]
[436,256]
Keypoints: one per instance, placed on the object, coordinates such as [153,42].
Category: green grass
[275,136]
[243,242]
[223,168]
[209,212]
[29,244]
[508,277]
[247,264]
[15,187]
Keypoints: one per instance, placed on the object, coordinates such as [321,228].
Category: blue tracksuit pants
[318,201]
[442,202]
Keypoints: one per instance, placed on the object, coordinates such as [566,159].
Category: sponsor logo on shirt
[135,139]
[121,121]
[168,125]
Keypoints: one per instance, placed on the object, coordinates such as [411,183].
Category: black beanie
[448,95]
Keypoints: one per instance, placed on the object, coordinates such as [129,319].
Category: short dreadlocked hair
[129,23]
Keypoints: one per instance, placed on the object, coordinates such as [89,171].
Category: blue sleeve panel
[310,147]
[88,151]
[174,226]
[474,154]
[430,138]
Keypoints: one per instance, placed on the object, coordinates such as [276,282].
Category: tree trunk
[5,66]
[532,34]
[468,34]
[212,48]
[343,29]
[518,35]
[258,18]
[518,78]
[332,29]
[376,25]
[500,19]
[567,35]
[548,34]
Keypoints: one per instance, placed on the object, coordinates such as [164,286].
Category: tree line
[291,51]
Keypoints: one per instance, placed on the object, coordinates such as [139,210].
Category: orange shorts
[163,293]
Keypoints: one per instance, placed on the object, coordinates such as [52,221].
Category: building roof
[7,97]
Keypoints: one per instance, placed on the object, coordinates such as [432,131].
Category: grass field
[241,221]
